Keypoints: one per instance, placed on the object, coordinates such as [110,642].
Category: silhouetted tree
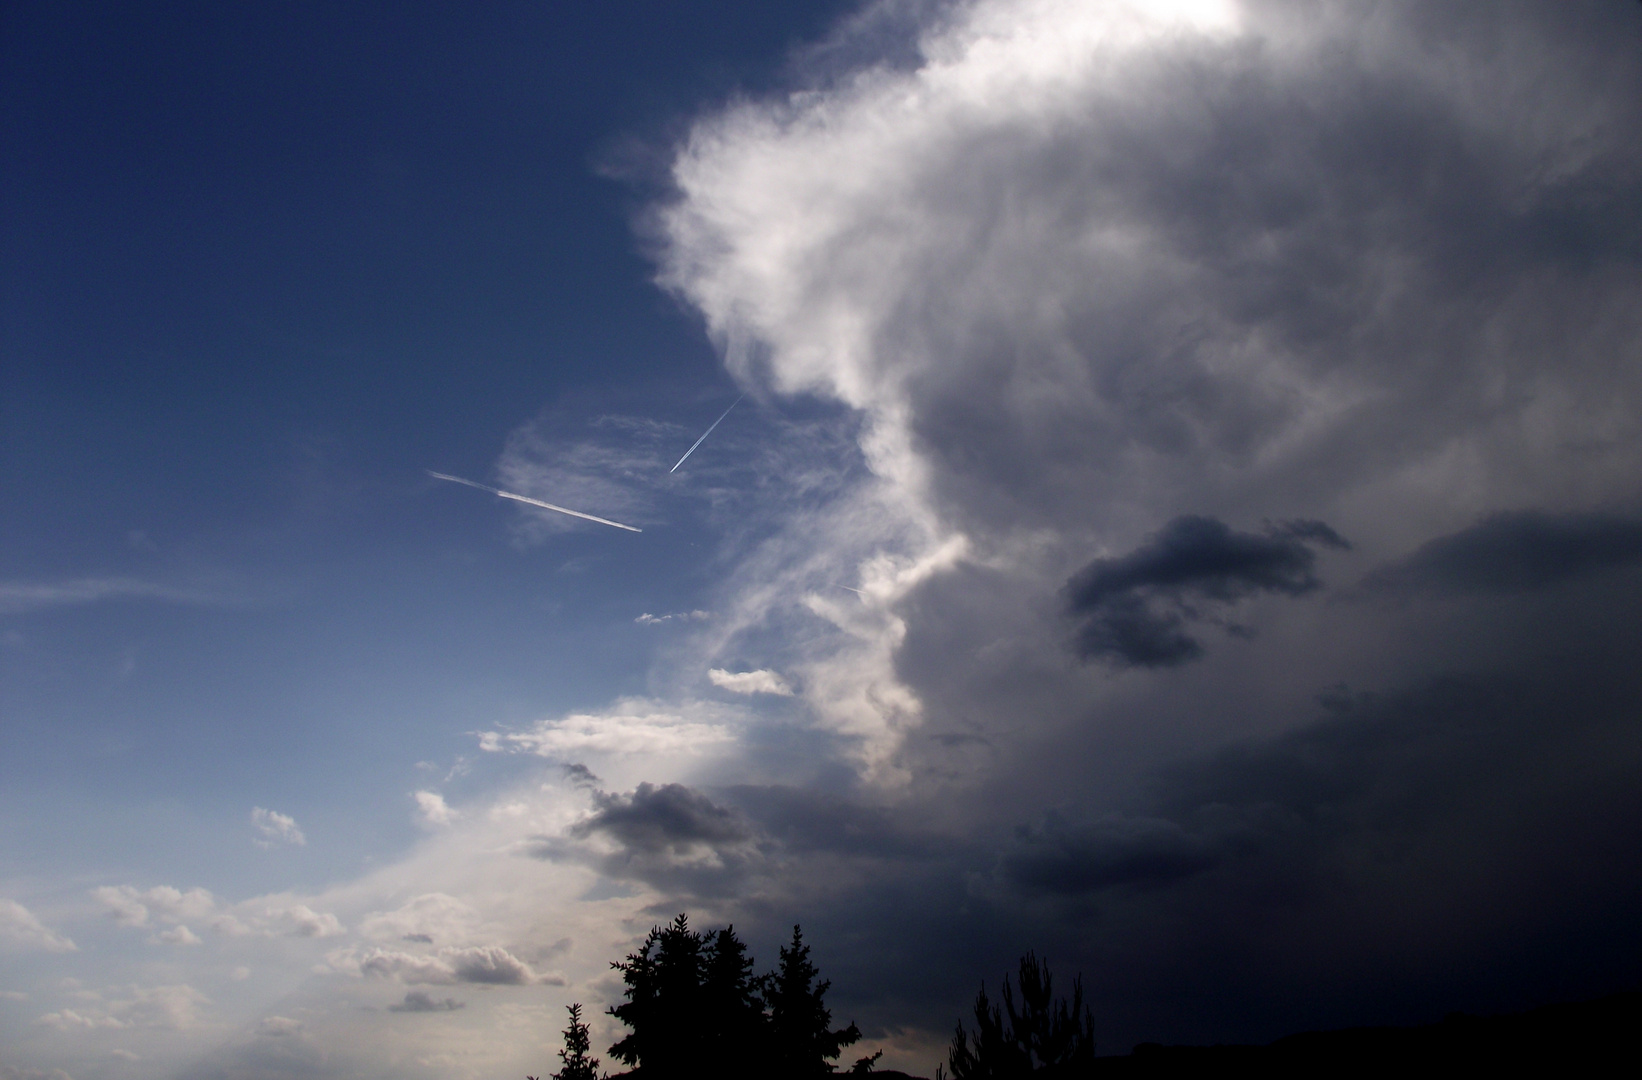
[1044,1036]
[663,1006]
[733,1021]
[864,1065]
[577,1064]
[693,1008]
[638,972]
[802,1042]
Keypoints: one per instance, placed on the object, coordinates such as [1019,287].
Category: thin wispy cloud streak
[533,502]
[704,435]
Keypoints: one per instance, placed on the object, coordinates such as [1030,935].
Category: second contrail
[704,435]
[532,502]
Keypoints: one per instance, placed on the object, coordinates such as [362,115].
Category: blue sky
[1184,517]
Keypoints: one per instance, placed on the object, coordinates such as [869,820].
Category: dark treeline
[1034,1034]
[1586,1038]
[694,1008]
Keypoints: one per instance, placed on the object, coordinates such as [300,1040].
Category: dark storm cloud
[420,1001]
[804,820]
[1516,552]
[670,836]
[1463,843]
[1057,857]
[580,775]
[654,819]
[1370,264]
[1135,608]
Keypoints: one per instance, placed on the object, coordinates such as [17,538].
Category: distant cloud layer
[1518,551]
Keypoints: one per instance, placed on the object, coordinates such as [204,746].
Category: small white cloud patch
[434,809]
[489,965]
[177,935]
[275,829]
[647,619]
[278,1026]
[20,929]
[762,681]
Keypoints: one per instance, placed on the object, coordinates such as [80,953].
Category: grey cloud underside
[1459,840]
[580,775]
[1517,551]
[420,1001]
[654,819]
[670,836]
[1464,843]
[1134,608]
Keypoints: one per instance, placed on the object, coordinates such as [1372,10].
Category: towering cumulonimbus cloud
[1084,268]
[1128,300]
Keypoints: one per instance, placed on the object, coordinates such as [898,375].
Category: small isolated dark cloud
[580,775]
[1061,858]
[420,1001]
[425,939]
[805,820]
[1516,552]
[1136,608]
[670,836]
[655,819]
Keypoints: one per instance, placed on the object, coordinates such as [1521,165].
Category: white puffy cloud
[750,682]
[130,906]
[485,964]
[21,929]
[436,917]
[172,1008]
[176,935]
[274,829]
[278,1026]
[300,920]
[647,619]
[630,727]
[431,805]
[280,916]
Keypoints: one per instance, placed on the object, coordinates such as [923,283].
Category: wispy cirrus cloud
[18,597]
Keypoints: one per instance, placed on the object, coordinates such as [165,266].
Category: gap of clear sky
[262,266]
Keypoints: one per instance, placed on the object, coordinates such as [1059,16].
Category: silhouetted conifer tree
[694,1008]
[638,972]
[663,1006]
[1042,1037]
[733,1022]
[802,1042]
[577,1064]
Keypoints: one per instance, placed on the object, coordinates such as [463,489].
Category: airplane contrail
[528,499]
[704,435]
